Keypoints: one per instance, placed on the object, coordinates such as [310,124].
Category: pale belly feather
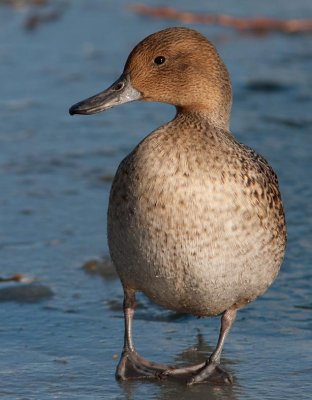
[187,240]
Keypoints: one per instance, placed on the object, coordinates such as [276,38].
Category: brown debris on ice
[15,278]
[257,25]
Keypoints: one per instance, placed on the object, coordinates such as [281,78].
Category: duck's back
[195,219]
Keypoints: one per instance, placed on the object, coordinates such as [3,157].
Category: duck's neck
[221,121]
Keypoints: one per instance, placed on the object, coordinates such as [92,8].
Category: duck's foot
[200,373]
[133,366]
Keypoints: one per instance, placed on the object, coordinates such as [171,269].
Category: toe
[211,372]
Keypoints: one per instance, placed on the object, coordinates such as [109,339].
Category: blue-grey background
[61,334]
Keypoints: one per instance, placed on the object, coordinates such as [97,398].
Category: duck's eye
[159,60]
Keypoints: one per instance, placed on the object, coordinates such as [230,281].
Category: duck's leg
[227,319]
[131,364]
[204,370]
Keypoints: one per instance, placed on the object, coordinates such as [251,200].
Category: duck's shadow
[176,388]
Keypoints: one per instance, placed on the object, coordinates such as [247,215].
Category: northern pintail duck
[195,218]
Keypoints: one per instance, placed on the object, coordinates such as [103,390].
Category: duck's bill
[120,92]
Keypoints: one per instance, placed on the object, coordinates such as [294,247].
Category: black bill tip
[76,109]
[72,110]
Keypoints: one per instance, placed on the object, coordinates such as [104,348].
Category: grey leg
[212,364]
[203,371]
[131,364]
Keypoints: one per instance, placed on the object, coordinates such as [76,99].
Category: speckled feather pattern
[195,219]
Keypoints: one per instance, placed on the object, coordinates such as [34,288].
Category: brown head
[178,66]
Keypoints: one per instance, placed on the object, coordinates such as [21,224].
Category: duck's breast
[184,228]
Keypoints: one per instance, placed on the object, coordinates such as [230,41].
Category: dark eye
[159,60]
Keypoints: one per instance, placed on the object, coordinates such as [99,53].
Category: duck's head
[178,66]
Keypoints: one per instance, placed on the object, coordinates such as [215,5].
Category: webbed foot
[211,372]
[199,373]
[133,366]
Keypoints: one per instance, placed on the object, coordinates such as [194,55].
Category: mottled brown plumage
[195,218]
